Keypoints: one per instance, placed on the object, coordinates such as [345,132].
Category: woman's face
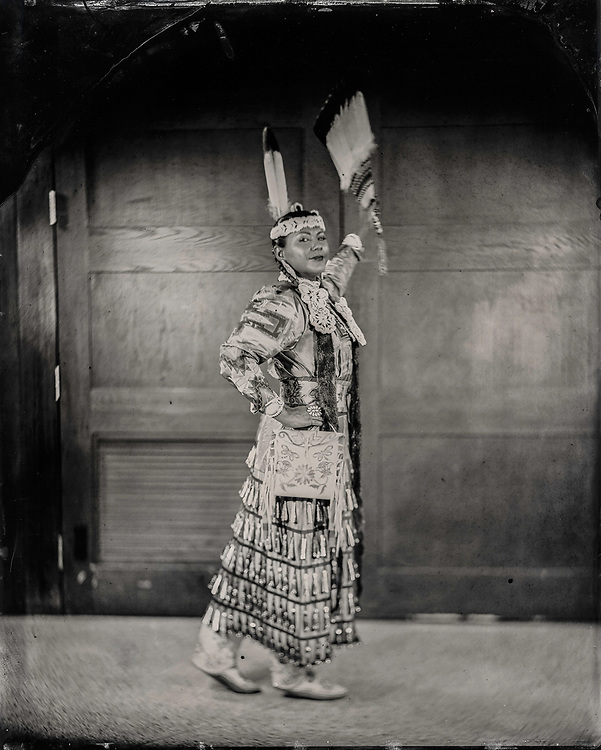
[307,252]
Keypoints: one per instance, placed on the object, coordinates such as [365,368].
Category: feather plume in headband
[296,219]
[344,129]
[275,175]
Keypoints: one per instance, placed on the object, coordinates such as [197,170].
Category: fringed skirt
[287,588]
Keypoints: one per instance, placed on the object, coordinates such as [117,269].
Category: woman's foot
[233,680]
[305,684]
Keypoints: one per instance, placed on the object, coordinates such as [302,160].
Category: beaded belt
[303,391]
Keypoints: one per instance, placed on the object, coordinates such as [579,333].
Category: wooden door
[163,240]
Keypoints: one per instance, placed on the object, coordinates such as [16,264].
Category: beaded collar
[321,315]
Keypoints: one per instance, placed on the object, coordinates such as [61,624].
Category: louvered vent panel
[168,501]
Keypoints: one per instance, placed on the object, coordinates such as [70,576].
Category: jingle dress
[291,580]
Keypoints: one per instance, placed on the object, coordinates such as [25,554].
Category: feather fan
[343,127]
[275,175]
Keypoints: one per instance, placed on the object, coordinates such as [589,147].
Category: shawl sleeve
[273,321]
[339,269]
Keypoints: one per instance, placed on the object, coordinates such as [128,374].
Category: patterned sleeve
[339,269]
[273,321]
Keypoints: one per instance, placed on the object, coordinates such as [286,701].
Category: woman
[289,577]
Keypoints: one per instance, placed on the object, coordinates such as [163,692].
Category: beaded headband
[282,228]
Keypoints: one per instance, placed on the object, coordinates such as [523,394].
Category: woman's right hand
[297,417]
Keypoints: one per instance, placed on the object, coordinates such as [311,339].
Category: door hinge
[52,207]
[60,552]
[57,382]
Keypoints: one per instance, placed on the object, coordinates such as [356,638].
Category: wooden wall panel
[503,526]
[193,411]
[510,175]
[12,562]
[184,178]
[77,488]
[363,297]
[180,249]
[488,502]
[489,352]
[40,488]
[496,247]
[508,593]
[138,589]
[489,358]
[151,330]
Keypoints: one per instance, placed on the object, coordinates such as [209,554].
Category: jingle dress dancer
[289,577]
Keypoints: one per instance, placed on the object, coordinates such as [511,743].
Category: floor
[129,681]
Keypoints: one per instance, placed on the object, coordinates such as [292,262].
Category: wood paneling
[180,249]
[40,471]
[480,379]
[502,526]
[363,297]
[503,247]
[481,364]
[186,178]
[206,411]
[525,593]
[489,357]
[151,330]
[460,175]
[165,589]
[175,243]
[168,501]
[12,564]
[489,352]
[484,501]
[72,239]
